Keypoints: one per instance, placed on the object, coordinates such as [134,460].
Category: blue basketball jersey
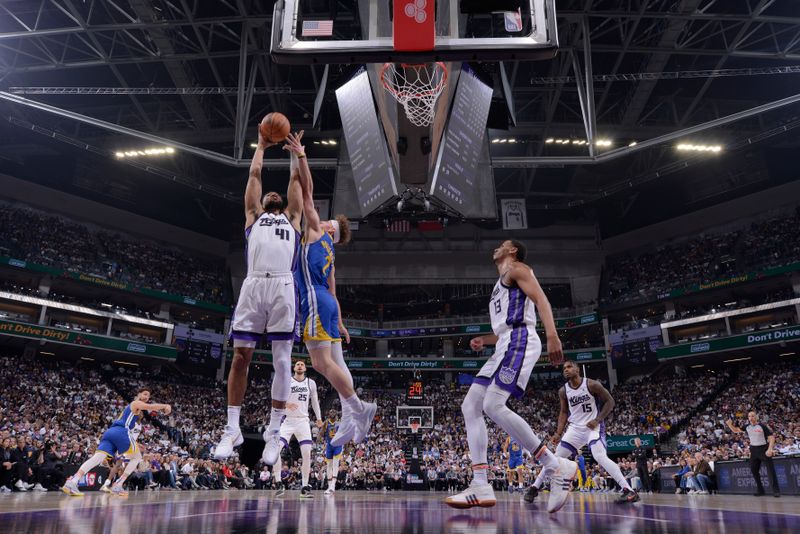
[515,449]
[127,419]
[330,430]
[316,261]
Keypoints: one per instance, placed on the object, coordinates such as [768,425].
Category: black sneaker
[628,496]
[281,489]
[759,493]
[531,494]
[305,493]
[776,495]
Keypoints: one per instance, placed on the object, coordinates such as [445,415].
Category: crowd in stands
[29,235]
[703,259]
[59,410]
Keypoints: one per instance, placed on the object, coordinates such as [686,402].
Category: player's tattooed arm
[253,190]
[601,393]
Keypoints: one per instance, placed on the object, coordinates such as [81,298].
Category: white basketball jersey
[272,244]
[297,404]
[582,404]
[509,308]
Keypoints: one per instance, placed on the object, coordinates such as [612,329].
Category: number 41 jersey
[510,308]
[272,245]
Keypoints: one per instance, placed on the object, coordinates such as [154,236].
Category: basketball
[274,127]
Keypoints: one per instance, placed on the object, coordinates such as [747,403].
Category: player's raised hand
[263,143]
[293,143]
[555,353]
[476,343]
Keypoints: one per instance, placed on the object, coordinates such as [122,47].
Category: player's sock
[477,436]
[611,467]
[495,407]
[233,416]
[479,474]
[353,404]
[276,417]
[539,482]
[276,470]
[129,469]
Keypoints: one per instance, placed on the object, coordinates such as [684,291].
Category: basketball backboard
[413,31]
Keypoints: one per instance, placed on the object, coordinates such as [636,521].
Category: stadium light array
[688,147]
[504,140]
[145,152]
[326,142]
[574,141]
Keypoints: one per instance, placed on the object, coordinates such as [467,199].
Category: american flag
[317,27]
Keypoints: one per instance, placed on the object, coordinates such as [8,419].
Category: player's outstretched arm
[599,392]
[734,429]
[563,415]
[253,191]
[294,193]
[140,406]
[306,185]
[526,280]
[314,398]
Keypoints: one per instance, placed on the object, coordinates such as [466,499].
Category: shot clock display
[416,392]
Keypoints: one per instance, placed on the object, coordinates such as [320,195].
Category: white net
[416,87]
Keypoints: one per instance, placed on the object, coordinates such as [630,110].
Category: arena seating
[72,405]
[644,276]
[26,234]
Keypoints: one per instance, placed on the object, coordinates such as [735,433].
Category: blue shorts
[319,316]
[116,440]
[514,462]
[332,452]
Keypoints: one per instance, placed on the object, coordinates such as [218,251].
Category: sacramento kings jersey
[272,244]
[510,308]
[301,392]
[582,404]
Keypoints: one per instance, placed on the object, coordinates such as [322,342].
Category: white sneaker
[475,495]
[364,421]
[232,437]
[677,491]
[5,489]
[561,484]
[21,486]
[106,488]
[28,486]
[272,447]
[330,491]
[347,429]
[71,488]
[703,492]
[39,487]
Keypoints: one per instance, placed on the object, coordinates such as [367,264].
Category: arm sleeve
[767,431]
[314,399]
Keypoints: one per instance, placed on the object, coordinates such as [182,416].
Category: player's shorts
[117,440]
[514,462]
[515,354]
[319,316]
[332,452]
[296,426]
[267,303]
[576,437]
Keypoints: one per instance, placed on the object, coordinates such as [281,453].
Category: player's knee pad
[282,363]
[472,405]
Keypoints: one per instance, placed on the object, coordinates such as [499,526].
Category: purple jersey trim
[246,336]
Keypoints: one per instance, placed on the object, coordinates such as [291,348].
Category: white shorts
[299,427]
[511,365]
[576,437]
[267,304]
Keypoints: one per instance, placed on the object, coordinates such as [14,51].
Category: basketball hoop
[414,427]
[416,87]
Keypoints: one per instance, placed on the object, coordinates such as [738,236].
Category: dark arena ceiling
[656,67]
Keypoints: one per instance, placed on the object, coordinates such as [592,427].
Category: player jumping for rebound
[118,439]
[320,319]
[585,404]
[515,298]
[332,454]
[515,463]
[267,301]
[298,424]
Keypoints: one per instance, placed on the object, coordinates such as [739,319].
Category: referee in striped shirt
[762,444]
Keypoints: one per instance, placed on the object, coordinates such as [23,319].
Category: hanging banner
[514,213]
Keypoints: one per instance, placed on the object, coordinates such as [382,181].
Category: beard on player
[273,202]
